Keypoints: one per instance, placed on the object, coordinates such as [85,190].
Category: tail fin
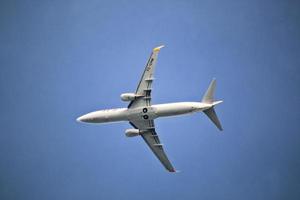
[209,99]
[209,94]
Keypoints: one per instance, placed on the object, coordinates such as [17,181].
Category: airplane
[141,114]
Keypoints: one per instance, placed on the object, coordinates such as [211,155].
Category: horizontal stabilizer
[211,114]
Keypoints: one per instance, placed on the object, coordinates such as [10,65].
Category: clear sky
[62,59]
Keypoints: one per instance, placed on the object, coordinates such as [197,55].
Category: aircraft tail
[209,99]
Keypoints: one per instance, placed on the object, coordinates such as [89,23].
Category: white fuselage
[144,113]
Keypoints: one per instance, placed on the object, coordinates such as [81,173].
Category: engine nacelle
[128,96]
[132,132]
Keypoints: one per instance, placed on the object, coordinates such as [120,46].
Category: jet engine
[128,96]
[132,132]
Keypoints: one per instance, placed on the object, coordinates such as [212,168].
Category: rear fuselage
[144,113]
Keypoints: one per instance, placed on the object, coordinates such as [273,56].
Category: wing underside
[152,140]
[144,87]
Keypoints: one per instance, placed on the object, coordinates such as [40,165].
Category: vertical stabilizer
[209,94]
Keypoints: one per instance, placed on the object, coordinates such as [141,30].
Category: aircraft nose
[79,119]
[83,118]
[88,118]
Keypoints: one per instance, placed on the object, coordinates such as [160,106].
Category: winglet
[174,171]
[158,48]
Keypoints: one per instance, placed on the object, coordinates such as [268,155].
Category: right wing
[152,140]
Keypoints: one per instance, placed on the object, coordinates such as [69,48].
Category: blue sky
[61,59]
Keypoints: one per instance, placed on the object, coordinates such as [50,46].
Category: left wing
[151,138]
[144,88]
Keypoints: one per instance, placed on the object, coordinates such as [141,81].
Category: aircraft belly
[164,110]
[141,113]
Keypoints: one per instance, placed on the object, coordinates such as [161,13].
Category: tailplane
[211,114]
[209,99]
